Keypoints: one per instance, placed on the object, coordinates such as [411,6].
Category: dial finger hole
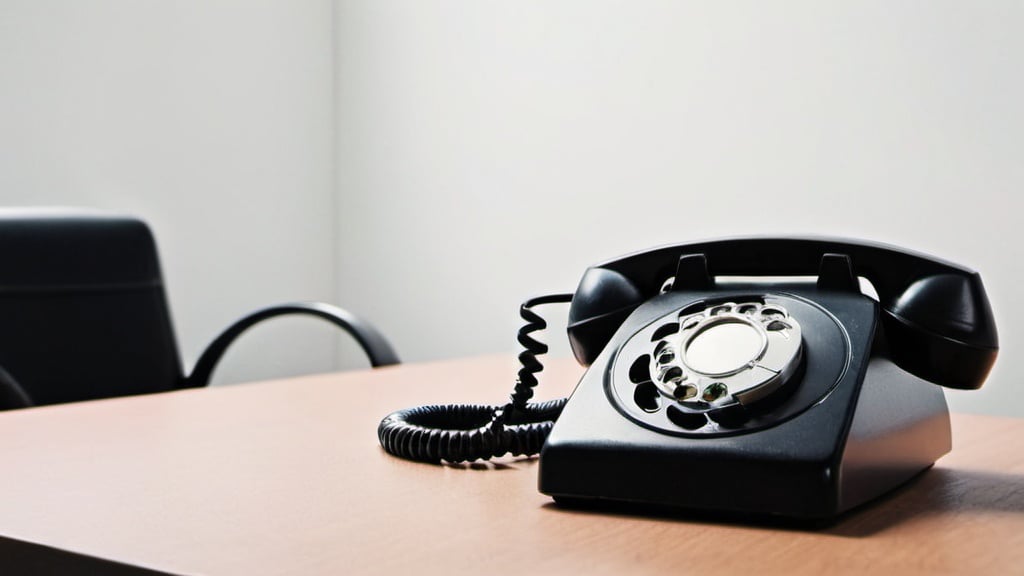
[772,314]
[685,392]
[646,397]
[747,309]
[670,374]
[720,310]
[640,370]
[715,391]
[665,356]
[688,420]
[661,347]
[732,417]
[665,330]
[778,325]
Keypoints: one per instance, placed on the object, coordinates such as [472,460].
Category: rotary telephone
[796,395]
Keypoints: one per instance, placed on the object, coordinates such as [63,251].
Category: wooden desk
[286,477]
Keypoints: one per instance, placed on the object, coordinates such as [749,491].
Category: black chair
[83,314]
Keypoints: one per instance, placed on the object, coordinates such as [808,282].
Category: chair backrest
[83,313]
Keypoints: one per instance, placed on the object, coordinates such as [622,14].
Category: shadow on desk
[936,495]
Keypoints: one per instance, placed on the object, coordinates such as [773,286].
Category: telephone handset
[937,312]
[780,396]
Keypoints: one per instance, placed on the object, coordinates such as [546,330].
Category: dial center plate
[724,347]
[726,353]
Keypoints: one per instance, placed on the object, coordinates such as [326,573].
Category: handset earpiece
[941,329]
[600,304]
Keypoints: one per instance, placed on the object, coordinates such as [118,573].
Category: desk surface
[286,477]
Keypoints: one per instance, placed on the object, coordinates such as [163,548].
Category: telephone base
[798,469]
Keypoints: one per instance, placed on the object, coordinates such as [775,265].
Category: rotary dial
[727,353]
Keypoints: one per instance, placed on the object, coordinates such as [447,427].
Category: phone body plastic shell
[876,428]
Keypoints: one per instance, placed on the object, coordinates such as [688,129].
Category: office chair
[83,314]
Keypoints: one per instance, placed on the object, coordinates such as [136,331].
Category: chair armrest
[376,346]
[11,394]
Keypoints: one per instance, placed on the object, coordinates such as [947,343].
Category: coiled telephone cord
[466,432]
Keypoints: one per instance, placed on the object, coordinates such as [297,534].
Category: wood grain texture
[286,477]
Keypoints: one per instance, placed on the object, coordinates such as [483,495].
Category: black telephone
[785,396]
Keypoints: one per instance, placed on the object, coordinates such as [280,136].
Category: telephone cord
[466,432]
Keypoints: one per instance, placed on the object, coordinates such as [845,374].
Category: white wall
[214,121]
[431,164]
[489,151]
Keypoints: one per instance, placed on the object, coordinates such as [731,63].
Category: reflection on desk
[286,477]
